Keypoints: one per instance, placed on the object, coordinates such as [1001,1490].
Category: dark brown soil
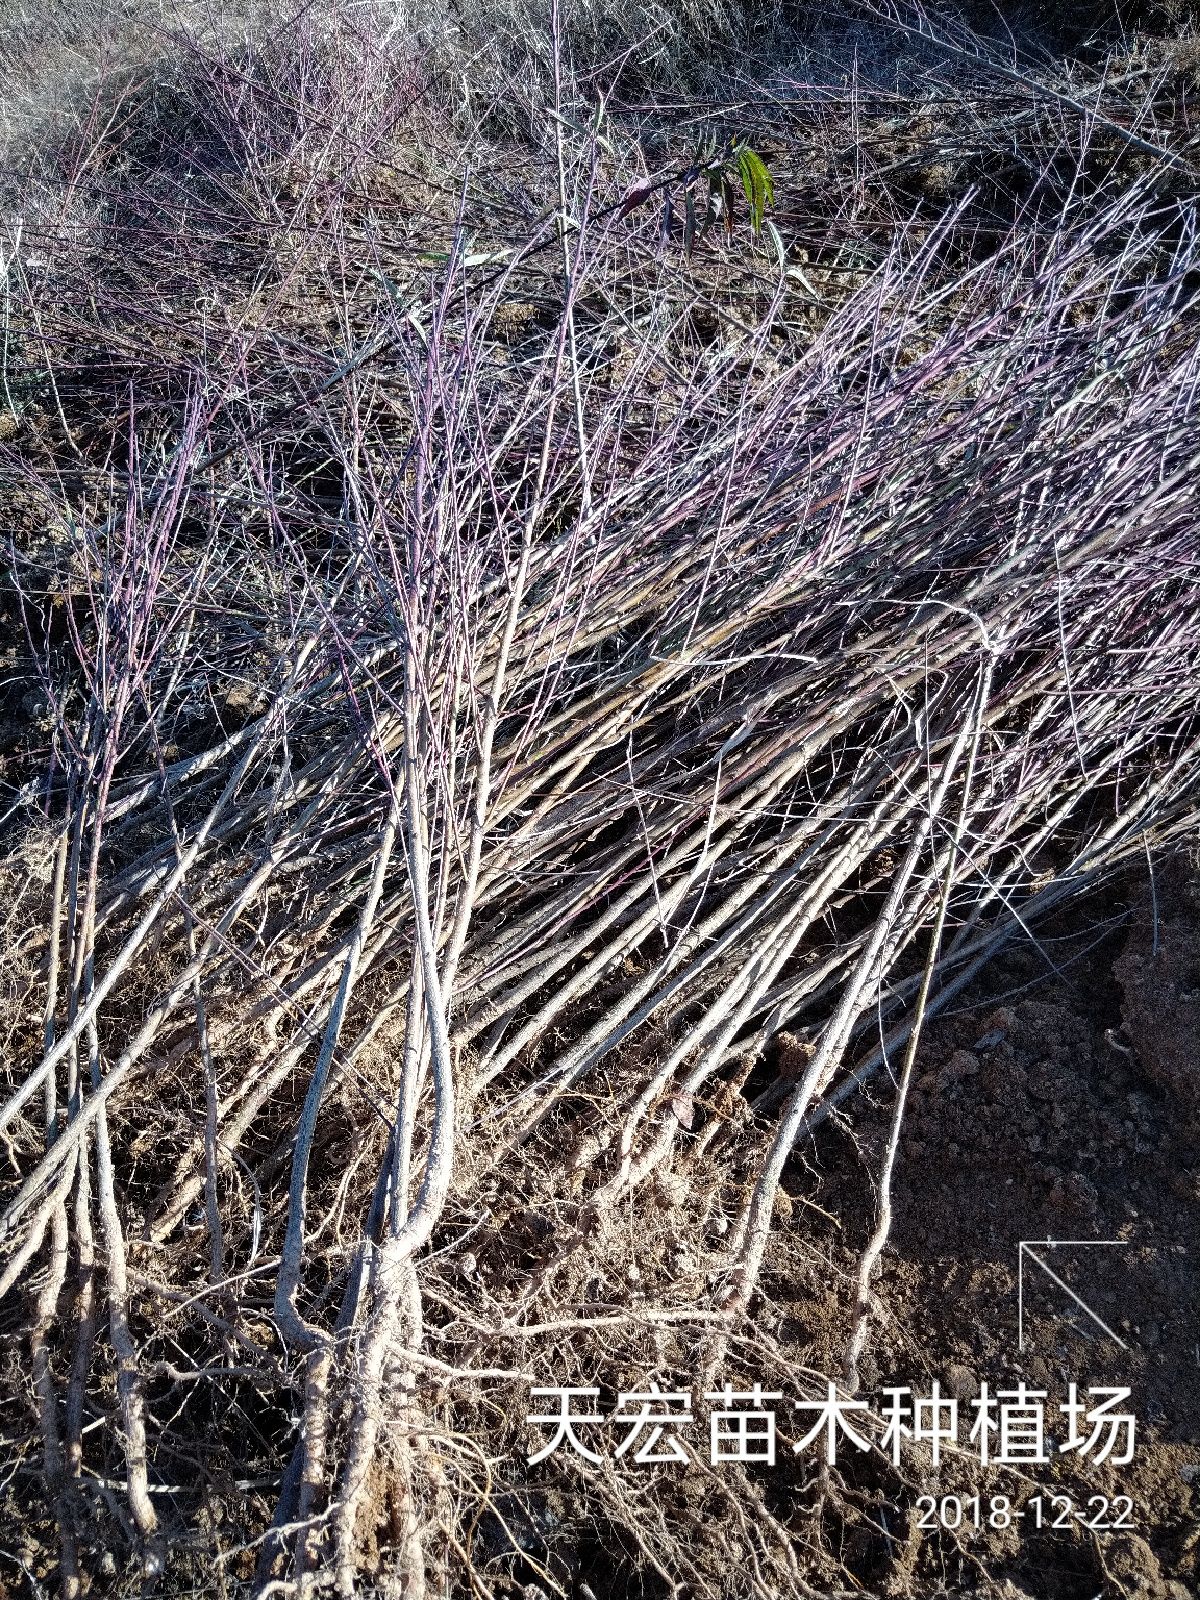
[1061,1103]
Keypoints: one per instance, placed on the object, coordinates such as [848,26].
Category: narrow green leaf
[756,181]
[745,172]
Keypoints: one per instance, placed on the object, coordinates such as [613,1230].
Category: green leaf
[756,184]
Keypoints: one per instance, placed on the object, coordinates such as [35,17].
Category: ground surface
[1064,1108]
[1057,1102]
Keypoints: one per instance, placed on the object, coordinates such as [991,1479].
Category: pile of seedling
[505,643]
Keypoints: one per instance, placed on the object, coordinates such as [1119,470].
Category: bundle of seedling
[502,666]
